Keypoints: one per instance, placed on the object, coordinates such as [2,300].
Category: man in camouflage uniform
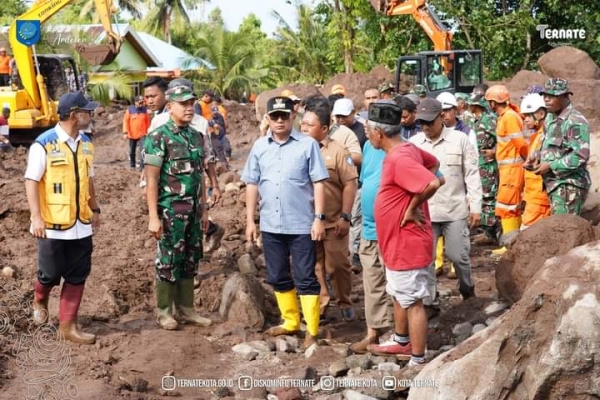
[483,123]
[565,151]
[177,208]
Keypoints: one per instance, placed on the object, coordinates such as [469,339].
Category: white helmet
[447,99]
[531,103]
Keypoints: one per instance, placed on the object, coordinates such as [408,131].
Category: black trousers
[68,259]
[132,153]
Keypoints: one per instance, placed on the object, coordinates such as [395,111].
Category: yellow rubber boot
[310,308]
[439,256]
[508,225]
[290,313]
[452,273]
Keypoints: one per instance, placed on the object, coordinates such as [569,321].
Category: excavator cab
[440,71]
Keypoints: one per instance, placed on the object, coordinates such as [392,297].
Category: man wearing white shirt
[451,213]
[64,212]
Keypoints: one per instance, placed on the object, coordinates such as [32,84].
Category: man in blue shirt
[287,170]
[378,305]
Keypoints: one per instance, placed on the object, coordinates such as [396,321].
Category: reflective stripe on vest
[509,161]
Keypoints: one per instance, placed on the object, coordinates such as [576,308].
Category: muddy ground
[131,354]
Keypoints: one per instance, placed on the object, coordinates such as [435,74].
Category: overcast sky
[234,11]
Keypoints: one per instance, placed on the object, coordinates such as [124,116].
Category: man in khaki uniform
[340,190]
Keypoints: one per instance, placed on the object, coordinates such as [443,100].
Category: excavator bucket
[97,54]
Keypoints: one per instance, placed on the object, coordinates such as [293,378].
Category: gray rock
[434,323]
[463,329]
[362,361]
[341,349]
[444,293]
[490,320]
[354,395]
[355,372]
[495,308]
[282,346]
[293,341]
[446,348]
[388,367]
[243,302]
[262,346]
[246,265]
[377,360]
[338,368]
[478,328]
[247,352]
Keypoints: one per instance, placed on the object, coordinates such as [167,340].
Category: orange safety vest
[534,184]
[136,122]
[511,151]
[4,65]
[205,107]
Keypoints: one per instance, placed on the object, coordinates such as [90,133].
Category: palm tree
[164,12]
[131,6]
[231,55]
[304,48]
[115,85]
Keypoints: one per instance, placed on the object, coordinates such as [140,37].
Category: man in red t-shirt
[409,177]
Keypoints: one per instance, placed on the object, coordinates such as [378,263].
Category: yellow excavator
[441,70]
[38,80]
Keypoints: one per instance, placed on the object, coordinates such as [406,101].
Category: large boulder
[547,238]
[243,301]
[519,83]
[591,208]
[569,63]
[544,347]
[586,97]
[302,90]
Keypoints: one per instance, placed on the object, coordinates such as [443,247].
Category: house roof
[158,54]
[171,57]
[97,34]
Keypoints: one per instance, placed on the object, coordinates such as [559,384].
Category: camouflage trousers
[180,247]
[567,199]
[489,185]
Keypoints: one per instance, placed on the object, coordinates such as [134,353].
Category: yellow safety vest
[64,188]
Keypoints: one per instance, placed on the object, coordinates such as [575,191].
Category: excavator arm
[42,10]
[423,14]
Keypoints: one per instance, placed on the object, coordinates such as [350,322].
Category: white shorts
[407,287]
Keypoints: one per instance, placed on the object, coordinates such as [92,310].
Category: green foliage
[231,55]
[116,86]
[10,9]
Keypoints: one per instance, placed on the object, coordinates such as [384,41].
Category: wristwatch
[346,217]
[96,210]
[320,217]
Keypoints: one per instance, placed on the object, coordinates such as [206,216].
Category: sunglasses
[279,115]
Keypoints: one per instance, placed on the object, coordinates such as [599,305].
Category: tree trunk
[528,54]
[167,27]
[347,36]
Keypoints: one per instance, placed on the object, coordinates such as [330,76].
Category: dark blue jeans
[278,248]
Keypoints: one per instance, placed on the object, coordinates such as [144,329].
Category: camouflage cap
[556,87]
[419,90]
[386,87]
[461,96]
[180,93]
[477,100]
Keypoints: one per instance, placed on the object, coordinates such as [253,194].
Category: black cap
[385,113]
[75,101]
[210,93]
[139,98]
[429,109]
[280,104]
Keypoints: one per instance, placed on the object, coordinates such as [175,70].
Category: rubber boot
[288,306]
[508,225]
[41,295]
[165,295]
[310,309]
[184,304]
[70,299]
[439,256]
[452,272]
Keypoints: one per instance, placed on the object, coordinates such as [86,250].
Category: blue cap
[75,101]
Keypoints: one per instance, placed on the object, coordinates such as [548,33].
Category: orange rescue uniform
[4,65]
[537,205]
[511,151]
